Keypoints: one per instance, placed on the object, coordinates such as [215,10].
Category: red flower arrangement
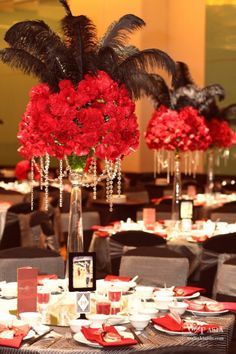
[95,118]
[221,134]
[183,130]
[23,169]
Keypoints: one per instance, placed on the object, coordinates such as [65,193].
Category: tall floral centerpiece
[222,137]
[95,119]
[83,109]
[178,127]
[170,133]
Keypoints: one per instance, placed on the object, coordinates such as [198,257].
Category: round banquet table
[153,342]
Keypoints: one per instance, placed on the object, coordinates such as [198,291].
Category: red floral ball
[97,116]
[221,134]
[172,130]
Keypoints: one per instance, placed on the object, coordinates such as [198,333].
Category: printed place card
[27,289]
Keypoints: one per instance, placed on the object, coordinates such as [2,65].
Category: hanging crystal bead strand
[94,163]
[47,164]
[119,176]
[60,178]
[32,184]
[41,173]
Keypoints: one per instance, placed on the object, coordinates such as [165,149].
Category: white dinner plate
[193,296]
[173,333]
[208,313]
[118,320]
[80,338]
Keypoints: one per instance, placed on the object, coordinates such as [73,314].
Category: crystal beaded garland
[111,171]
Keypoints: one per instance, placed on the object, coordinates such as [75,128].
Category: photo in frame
[186,209]
[82,274]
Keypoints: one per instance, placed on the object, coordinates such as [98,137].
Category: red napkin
[13,343]
[116,278]
[42,277]
[231,306]
[97,335]
[168,322]
[96,227]
[187,290]
[102,234]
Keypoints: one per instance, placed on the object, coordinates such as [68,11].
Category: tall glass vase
[210,173]
[176,188]
[75,230]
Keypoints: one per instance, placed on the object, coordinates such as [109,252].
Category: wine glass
[43,298]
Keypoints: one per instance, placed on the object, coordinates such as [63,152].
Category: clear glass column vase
[210,173]
[75,231]
[176,187]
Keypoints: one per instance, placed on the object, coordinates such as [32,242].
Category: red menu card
[27,289]
[149,217]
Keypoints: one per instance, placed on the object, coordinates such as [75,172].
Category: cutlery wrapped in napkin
[172,322]
[12,336]
[107,336]
[187,290]
[231,306]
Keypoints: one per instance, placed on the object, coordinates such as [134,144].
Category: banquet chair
[225,282]
[47,262]
[226,213]
[155,266]
[27,230]
[11,236]
[9,196]
[120,242]
[212,248]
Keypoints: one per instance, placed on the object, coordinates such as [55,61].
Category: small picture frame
[186,209]
[82,274]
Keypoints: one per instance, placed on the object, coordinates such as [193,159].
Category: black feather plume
[145,60]
[81,37]
[229,113]
[183,76]
[19,59]
[118,32]
[107,60]
[36,38]
[213,91]
[141,84]
[66,6]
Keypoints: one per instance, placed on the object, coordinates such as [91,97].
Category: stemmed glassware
[43,298]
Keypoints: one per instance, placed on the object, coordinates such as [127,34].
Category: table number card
[27,289]
[82,271]
[83,302]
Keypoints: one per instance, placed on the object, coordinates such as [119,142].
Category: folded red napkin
[170,323]
[15,342]
[96,227]
[106,336]
[231,306]
[102,234]
[117,222]
[187,290]
[42,277]
[116,278]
